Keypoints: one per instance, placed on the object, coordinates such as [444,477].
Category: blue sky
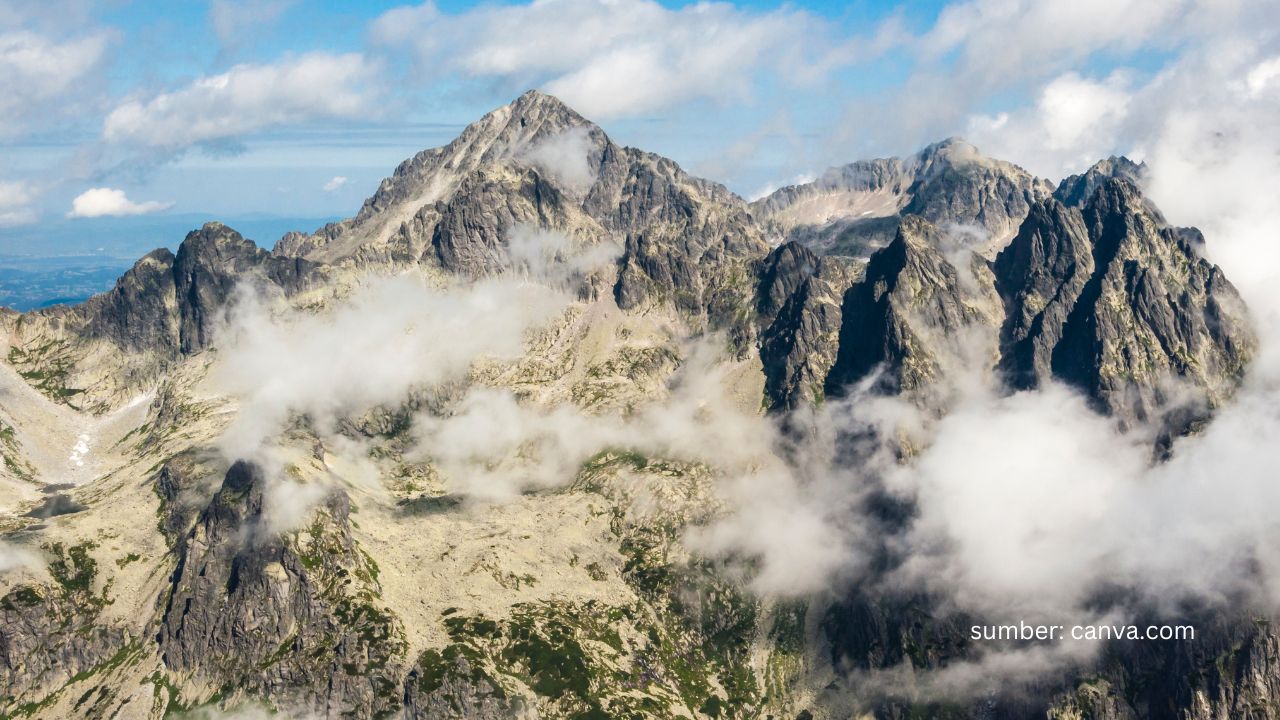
[296,109]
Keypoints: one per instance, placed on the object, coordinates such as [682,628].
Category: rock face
[469,235]
[854,209]
[170,304]
[909,315]
[801,296]
[141,312]
[1229,670]
[1076,190]
[50,634]
[687,241]
[1040,275]
[165,308]
[1110,300]
[209,264]
[499,142]
[294,617]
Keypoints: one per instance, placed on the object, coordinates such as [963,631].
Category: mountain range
[238,479]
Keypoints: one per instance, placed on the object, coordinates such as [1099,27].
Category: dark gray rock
[687,242]
[210,263]
[1076,190]
[140,312]
[782,272]
[471,230]
[1116,303]
[293,617]
[955,184]
[1230,670]
[1040,274]
[170,305]
[52,633]
[898,318]
[798,346]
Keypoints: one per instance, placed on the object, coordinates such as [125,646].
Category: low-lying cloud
[389,337]
[565,157]
[14,557]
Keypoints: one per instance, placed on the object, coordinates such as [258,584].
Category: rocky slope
[340,572]
[854,209]
[1109,299]
[537,163]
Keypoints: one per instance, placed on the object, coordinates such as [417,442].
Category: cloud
[236,21]
[14,557]
[1009,73]
[615,59]
[110,202]
[492,447]
[37,73]
[335,183]
[1262,76]
[374,347]
[997,43]
[246,98]
[1073,123]
[15,199]
[391,336]
[564,157]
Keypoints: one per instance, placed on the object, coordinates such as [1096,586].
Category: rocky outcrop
[209,264]
[1230,670]
[855,209]
[452,684]
[955,184]
[141,312]
[1114,302]
[291,616]
[800,296]
[1076,190]
[1040,275]
[52,634]
[910,314]
[170,304]
[501,138]
[166,307]
[538,164]
[782,272]
[471,229]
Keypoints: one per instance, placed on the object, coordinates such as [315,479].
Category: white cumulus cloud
[247,98]
[110,202]
[336,182]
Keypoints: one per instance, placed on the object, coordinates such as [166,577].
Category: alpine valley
[552,429]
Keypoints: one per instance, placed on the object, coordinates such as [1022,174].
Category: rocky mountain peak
[854,209]
[511,133]
[535,107]
[1077,189]
[1112,300]
[952,151]
[899,318]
